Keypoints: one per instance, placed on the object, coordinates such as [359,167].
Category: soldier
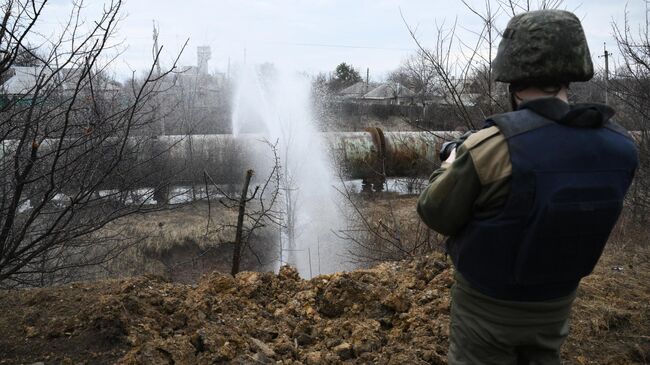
[529,201]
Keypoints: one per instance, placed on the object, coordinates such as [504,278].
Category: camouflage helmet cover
[543,47]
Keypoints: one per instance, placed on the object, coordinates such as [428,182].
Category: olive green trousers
[487,331]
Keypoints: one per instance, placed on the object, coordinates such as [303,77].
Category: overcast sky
[312,35]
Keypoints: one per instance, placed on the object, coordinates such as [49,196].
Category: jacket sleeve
[446,205]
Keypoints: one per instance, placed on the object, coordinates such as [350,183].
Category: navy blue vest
[567,191]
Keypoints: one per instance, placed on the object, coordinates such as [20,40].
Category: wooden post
[236,256]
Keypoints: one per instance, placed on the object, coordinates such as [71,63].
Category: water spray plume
[276,105]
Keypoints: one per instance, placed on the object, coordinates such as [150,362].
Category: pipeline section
[185,160]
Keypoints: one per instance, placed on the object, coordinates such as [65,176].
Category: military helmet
[543,47]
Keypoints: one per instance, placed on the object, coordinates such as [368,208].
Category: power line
[325,45]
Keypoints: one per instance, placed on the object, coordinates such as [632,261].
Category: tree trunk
[236,256]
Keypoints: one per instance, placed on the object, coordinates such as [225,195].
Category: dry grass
[154,235]
[161,231]
[386,227]
[610,322]
[185,228]
[611,317]
[171,242]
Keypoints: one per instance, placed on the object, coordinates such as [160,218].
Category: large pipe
[371,155]
[359,154]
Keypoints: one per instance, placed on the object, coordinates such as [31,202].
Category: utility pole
[367,79]
[606,56]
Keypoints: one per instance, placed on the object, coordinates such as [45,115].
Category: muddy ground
[394,313]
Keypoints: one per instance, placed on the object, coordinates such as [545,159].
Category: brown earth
[395,313]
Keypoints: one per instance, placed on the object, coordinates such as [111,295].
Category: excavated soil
[395,313]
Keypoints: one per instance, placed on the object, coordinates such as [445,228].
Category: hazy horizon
[313,36]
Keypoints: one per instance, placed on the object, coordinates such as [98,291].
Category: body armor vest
[567,190]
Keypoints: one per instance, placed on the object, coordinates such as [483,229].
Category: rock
[288,273]
[340,294]
[201,316]
[216,283]
[313,357]
[283,346]
[247,277]
[264,348]
[440,265]
[197,341]
[304,339]
[311,312]
[344,351]
[332,342]
[399,359]
[261,358]
[366,336]
[397,301]
[226,352]
[386,323]
[31,331]
[249,283]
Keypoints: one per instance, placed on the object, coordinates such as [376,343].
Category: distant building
[204,89]
[439,98]
[203,55]
[356,91]
[194,99]
[19,82]
[199,75]
[395,94]
[68,81]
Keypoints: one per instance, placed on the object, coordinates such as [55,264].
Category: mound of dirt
[395,313]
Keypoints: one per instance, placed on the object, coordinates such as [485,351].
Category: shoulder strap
[477,138]
[518,122]
[615,127]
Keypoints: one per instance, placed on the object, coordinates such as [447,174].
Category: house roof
[70,77]
[22,80]
[357,89]
[389,91]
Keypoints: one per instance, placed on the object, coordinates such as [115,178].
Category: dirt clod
[264,348]
[344,351]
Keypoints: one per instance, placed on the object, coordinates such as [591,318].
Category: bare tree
[631,91]
[462,67]
[416,73]
[384,235]
[71,148]
[446,68]
[250,220]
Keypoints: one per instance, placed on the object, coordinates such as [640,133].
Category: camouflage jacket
[476,184]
